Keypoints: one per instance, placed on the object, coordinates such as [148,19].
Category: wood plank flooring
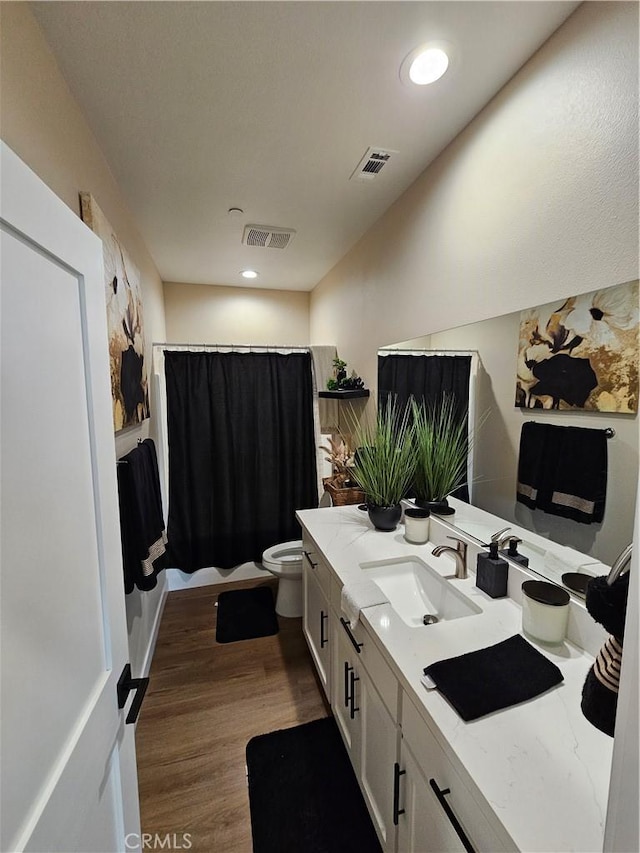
[204,703]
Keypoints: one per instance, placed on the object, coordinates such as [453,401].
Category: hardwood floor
[204,703]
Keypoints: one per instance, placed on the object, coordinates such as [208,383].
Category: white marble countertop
[541,766]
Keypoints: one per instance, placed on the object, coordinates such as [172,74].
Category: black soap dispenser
[492,572]
[512,552]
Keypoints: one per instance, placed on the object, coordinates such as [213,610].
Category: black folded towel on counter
[487,680]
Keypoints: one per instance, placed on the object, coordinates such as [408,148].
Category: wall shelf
[344,395]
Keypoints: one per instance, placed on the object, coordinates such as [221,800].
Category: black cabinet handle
[397,811]
[125,685]
[347,668]
[356,645]
[455,823]
[309,560]
[323,640]
[352,694]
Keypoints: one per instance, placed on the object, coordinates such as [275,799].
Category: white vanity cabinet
[316,613]
[437,812]
[369,728]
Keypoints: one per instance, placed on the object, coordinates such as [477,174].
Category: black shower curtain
[241,454]
[426,378]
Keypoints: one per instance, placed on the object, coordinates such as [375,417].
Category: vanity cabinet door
[441,813]
[315,625]
[345,691]
[378,756]
[422,827]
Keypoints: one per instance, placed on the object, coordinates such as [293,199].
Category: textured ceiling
[269,106]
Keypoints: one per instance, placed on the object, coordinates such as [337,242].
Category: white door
[68,760]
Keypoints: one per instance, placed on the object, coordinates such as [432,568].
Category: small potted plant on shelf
[340,381]
[340,485]
[384,463]
[442,447]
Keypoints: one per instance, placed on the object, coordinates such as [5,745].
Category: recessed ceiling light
[249,274]
[424,65]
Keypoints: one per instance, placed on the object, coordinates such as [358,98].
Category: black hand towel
[563,470]
[579,485]
[532,454]
[141,521]
[487,680]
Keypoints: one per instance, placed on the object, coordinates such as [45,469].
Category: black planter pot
[437,507]
[385,517]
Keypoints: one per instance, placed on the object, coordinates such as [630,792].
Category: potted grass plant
[442,446]
[384,463]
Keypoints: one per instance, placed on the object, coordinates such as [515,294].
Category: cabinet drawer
[434,765]
[312,560]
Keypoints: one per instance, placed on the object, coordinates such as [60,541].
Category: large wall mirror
[497,441]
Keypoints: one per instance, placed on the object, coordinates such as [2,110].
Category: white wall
[43,124]
[536,198]
[199,313]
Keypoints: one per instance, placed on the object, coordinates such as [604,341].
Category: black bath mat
[303,794]
[244,614]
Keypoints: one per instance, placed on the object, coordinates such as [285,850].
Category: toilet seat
[285,558]
[285,562]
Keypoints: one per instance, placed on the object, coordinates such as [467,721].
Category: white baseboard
[153,637]
[209,576]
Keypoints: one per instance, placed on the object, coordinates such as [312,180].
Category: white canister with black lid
[545,611]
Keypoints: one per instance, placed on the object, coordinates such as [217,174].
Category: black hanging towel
[141,521]
[563,471]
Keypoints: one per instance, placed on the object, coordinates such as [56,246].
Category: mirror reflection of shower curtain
[428,376]
[241,453]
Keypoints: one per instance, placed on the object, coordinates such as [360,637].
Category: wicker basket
[343,497]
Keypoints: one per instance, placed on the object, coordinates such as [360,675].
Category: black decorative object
[245,614]
[436,507]
[385,517]
[607,604]
[303,794]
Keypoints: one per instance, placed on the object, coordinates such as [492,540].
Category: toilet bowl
[285,562]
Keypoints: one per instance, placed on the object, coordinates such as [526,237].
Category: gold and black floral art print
[581,352]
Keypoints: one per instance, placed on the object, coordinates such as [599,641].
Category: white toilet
[285,562]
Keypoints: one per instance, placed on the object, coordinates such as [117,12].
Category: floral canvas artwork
[581,352]
[129,380]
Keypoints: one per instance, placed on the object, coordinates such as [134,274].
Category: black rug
[244,614]
[303,794]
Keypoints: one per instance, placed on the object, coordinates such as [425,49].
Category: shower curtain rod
[249,347]
[436,351]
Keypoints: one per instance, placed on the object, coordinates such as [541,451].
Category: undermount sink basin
[416,591]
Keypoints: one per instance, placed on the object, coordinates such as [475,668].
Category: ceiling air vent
[373,162]
[267,237]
